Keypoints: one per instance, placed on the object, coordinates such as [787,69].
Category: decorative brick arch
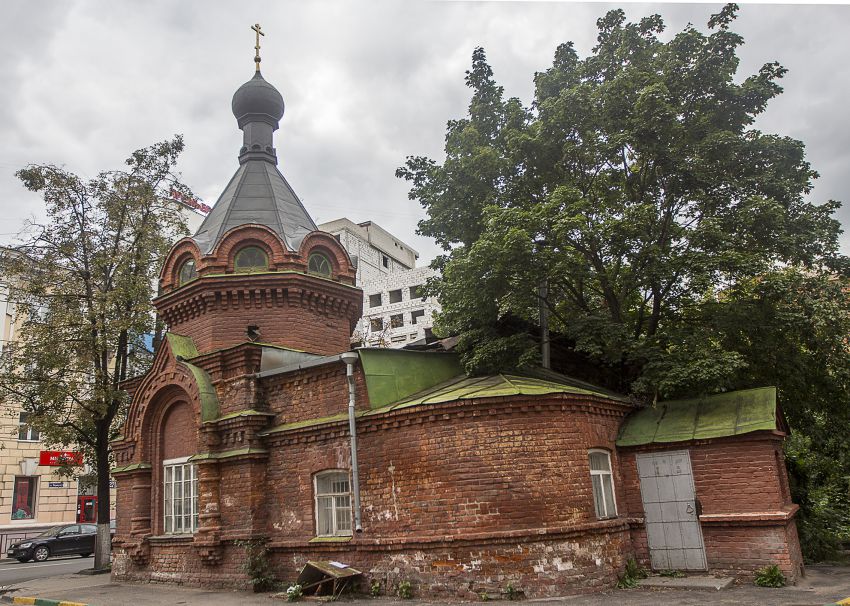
[249,235]
[167,382]
[182,252]
[323,242]
[170,430]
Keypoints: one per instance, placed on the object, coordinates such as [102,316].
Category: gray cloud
[365,84]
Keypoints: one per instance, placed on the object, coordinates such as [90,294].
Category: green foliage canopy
[634,187]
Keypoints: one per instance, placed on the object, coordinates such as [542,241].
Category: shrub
[294,593]
[375,588]
[405,590]
[511,592]
[631,575]
[257,565]
[770,576]
[673,574]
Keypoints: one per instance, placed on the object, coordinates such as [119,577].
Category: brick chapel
[257,422]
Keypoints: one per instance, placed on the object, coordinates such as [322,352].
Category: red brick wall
[508,480]
[488,468]
[314,316]
[580,562]
[739,475]
[312,393]
[179,432]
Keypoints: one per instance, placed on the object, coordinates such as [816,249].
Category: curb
[39,601]
[843,602]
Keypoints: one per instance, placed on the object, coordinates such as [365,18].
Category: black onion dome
[257,100]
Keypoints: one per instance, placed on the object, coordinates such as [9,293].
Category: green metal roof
[717,416]
[492,386]
[399,378]
[181,346]
[184,348]
[393,374]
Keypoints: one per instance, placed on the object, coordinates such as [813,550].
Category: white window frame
[169,505]
[609,510]
[31,434]
[335,530]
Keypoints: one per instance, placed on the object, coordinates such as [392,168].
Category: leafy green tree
[678,244]
[635,187]
[82,284]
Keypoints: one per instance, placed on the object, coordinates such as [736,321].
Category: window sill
[172,538]
[345,539]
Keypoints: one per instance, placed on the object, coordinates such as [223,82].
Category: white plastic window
[333,504]
[25,432]
[180,501]
[603,484]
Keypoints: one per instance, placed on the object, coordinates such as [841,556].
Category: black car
[59,540]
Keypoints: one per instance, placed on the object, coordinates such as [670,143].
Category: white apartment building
[394,311]
[31,495]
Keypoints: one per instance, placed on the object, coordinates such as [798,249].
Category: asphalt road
[12,571]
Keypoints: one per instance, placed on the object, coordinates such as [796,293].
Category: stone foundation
[543,563]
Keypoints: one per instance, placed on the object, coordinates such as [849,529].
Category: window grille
[319,265]
[187,272]
[251,258]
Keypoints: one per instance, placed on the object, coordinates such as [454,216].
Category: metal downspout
[350,358]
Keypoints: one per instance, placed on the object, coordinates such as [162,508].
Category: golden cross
[256,28]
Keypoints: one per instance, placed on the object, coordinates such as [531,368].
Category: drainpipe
[545,356]
[350,358]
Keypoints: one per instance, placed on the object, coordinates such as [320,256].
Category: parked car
[59,540]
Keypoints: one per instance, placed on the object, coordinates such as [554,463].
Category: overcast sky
[84,83]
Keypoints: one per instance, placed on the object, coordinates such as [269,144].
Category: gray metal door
[669,505]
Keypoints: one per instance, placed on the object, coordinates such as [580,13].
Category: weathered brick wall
[456,498]
[312,393]
[509,464]
[175,561]
[319,320]
[583,561]
[742,485]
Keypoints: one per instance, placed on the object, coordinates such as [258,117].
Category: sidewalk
[822,585]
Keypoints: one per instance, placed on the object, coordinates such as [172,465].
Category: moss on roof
[727,414]
[181,346]
[184,349]
[467,388]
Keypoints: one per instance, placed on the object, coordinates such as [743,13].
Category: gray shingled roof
[257,193]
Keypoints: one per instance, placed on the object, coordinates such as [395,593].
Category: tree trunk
[103,545]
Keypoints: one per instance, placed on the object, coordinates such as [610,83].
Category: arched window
[251,258]
[187,272]
[319,264]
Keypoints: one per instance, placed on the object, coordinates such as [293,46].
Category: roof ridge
[243,168]
[295,195]
[274,206]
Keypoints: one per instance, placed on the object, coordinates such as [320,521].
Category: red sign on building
[54,458]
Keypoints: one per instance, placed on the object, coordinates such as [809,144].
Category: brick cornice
[212,293]
[383,419]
